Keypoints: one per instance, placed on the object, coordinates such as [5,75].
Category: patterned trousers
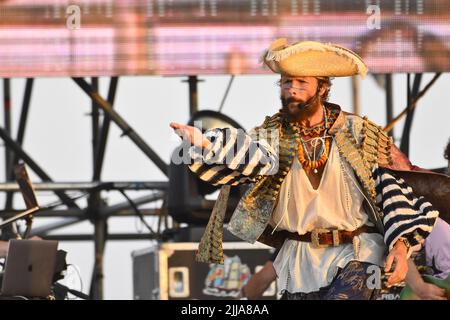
[350,283]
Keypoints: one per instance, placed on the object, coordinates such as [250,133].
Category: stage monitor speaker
[169,272]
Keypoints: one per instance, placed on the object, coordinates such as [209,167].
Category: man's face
[297,90]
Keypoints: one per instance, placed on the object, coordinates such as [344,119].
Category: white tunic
[337,203]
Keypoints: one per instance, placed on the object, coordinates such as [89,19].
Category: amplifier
[169,271]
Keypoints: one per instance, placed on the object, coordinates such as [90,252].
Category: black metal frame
[411,94]
[96,211]
[389,101]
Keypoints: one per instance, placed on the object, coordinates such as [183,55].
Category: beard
[293,108]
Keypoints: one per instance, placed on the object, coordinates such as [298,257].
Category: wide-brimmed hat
[314,59]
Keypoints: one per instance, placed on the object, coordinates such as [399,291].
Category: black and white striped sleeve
[233,158]
[404,214]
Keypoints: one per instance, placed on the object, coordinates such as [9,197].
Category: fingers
[436,297]
[434,293]
[180,130]
[175,125]
[394,278]
[388,263]
[191,134]
[437,292]
[399,273]
[397,276]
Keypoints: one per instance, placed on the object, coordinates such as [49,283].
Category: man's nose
[293,91]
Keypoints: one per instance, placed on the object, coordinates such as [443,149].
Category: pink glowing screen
[186,37]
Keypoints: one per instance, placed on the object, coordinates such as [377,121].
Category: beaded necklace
[331,115]
[312,163]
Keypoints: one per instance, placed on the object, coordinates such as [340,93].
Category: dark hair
[447,151]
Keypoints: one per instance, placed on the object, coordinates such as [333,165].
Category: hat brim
[314,59]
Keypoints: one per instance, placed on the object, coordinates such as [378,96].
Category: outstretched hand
[191,134]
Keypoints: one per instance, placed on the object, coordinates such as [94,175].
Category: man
[320,188]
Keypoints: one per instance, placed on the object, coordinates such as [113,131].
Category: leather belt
[327,237]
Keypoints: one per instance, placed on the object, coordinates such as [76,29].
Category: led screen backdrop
[180,37]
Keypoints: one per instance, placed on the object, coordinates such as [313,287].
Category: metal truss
[96,211]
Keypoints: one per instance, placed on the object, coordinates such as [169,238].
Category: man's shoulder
[344,119]
[270,121]
[354,119]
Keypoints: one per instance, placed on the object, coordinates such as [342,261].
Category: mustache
[287,101]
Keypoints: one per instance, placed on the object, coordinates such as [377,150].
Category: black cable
[76,293]
[59,202]
[138,212]
[226,93]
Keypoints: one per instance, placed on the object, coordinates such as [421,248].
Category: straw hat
[314,59]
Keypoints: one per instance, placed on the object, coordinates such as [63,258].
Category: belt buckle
[315,240]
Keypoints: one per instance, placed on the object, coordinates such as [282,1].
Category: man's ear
[322,88]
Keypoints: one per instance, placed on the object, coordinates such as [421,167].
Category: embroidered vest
[360,142]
